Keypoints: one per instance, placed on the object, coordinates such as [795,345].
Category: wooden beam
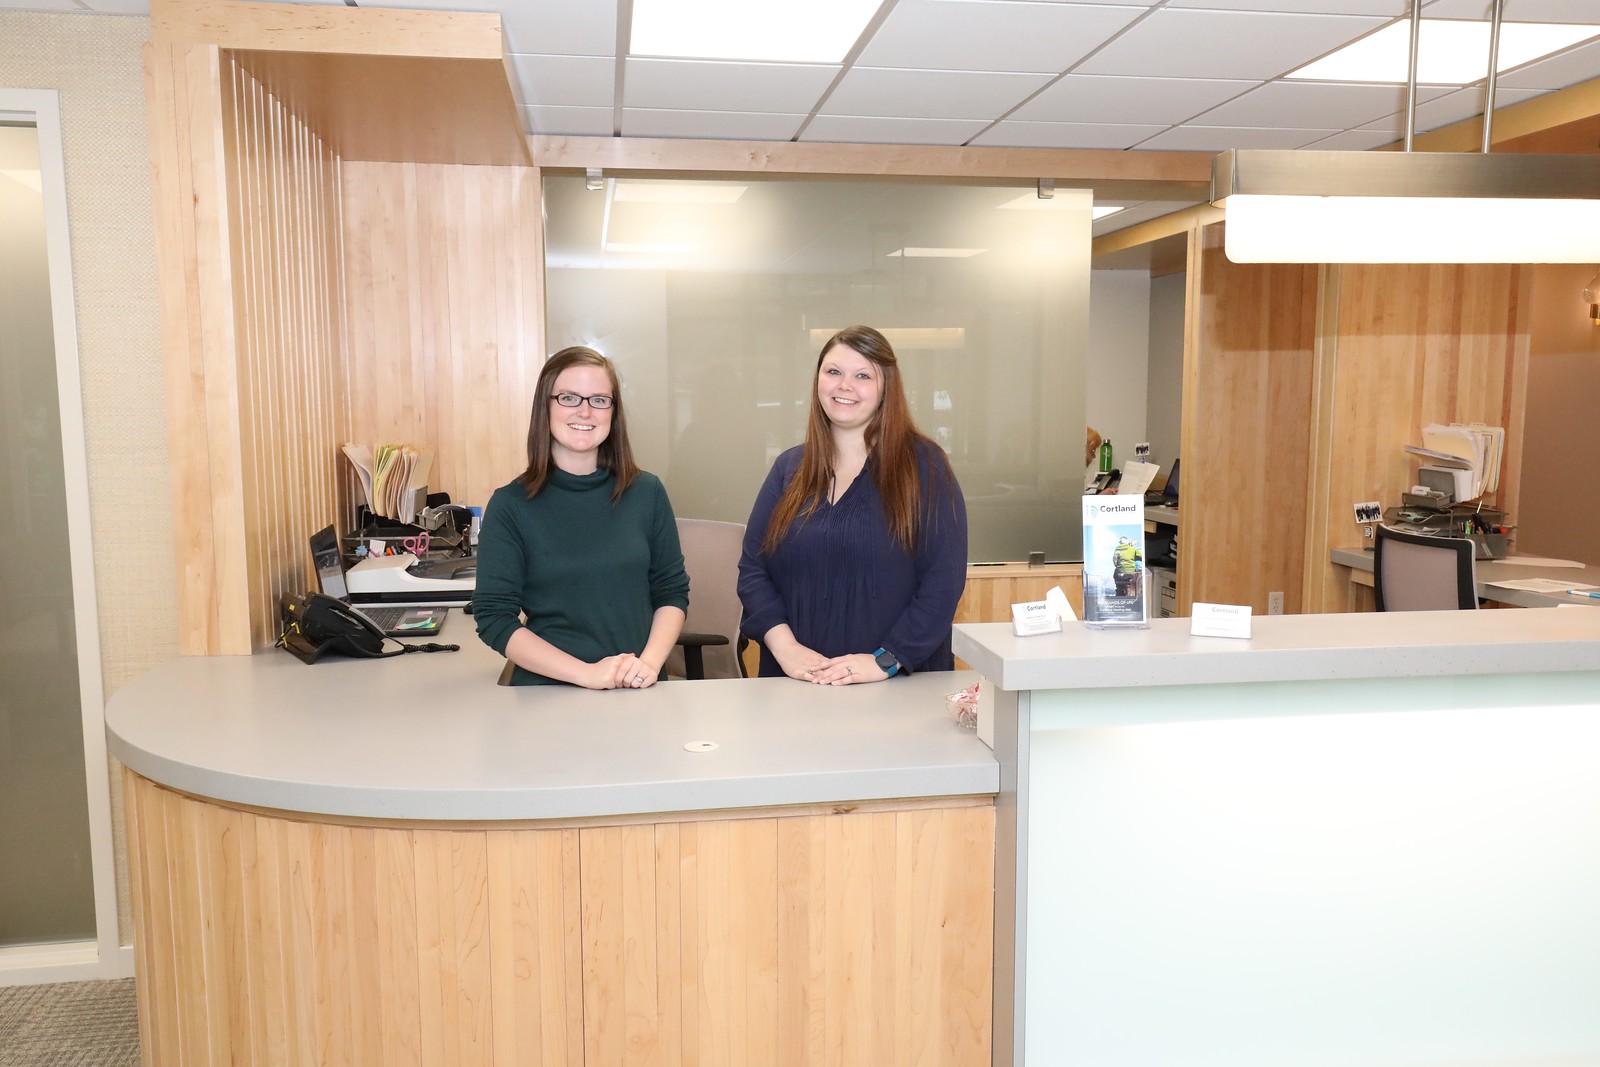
[1152,175]
[331,28]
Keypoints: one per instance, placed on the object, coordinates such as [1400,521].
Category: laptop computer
[1167,495]
[393,621]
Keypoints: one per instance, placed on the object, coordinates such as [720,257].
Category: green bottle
[1105,456]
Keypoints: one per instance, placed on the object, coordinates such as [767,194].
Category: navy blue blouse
[842,583]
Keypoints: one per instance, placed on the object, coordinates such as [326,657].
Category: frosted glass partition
[714,299]
[1397,873]
[46,886]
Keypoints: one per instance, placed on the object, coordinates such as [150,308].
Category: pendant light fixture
[1410,207]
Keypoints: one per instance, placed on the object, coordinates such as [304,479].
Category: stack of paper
[1476,449]
[391,476]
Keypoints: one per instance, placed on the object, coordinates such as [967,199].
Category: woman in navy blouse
[855,554]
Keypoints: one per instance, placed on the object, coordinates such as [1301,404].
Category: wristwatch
[886,662]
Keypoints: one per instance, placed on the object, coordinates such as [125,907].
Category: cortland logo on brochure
[1095,507]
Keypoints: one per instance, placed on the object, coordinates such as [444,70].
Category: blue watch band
[886,662]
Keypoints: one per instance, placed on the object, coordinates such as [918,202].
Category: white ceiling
[1196,75]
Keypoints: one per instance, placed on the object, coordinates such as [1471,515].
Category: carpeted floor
[76,1024]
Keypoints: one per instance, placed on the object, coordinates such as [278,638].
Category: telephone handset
[315,624]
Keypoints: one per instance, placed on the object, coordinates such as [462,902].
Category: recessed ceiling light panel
[1449,51]
[670,192]
[820,31]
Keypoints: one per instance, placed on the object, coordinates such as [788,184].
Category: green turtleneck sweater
[587,571]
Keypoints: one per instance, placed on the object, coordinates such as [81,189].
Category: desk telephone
[314,625]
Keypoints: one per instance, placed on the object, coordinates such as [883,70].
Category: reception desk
[1350,839]
[397,861]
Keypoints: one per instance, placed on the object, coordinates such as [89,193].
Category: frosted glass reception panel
[1395,873]
[715,298]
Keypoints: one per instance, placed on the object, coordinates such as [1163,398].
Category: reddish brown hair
[613,455]
[892,445]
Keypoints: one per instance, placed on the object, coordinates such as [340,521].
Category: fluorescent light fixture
[1032,202]
[906,338]
[637,192]
[821,31]
[1407,207]
[626,248]
[1449,52]
[937,253]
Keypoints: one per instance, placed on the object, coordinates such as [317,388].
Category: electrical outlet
[1274,603]
[1366,533]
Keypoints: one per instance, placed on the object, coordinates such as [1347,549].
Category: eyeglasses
[572,400]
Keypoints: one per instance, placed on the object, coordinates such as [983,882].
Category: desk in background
[1486,571]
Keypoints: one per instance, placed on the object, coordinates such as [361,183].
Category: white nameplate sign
[1220,620]
[1036,617]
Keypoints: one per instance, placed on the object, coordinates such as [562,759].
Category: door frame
[105,956]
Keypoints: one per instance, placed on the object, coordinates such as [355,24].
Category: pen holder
[1488,545]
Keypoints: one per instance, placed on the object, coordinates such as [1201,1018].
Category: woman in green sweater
[583,544]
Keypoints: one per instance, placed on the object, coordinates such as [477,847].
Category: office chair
[1419,572]
[710,645]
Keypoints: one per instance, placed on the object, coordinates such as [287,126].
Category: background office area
[1289,391]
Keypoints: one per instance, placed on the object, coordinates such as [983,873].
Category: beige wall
[1560,514]
[94,62]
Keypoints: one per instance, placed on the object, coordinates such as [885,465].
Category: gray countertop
[1288,647]
[432,737]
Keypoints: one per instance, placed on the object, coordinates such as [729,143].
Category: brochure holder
[1116,583]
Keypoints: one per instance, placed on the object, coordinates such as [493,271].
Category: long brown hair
[613,454]
[892,446]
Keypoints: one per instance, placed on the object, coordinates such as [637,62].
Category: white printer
[404,579]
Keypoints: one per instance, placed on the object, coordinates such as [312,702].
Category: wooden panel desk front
[399,862]
[1486,571]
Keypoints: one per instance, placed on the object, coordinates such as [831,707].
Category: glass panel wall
[46,880]
[714,300]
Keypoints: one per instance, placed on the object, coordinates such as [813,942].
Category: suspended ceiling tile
[993,35]
[42,5]
[930,94]
[712,125]
[1355,140]
[1452,107]
[566,81]
[705,85]
[584,121]
[1225,44]
[1581,64]
[858,129]
[122,7]
[1014,134]
[1147,101]
[1132,216]
[1221,138]
[1329,105]
[558,27]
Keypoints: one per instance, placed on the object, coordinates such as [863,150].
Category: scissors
[418,545]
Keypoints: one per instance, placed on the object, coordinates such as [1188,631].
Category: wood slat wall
[247,236]
[444,283]
[859,937]
[1404,346]
[1246,427]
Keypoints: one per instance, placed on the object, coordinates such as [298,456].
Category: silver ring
[638,677]
[849,669]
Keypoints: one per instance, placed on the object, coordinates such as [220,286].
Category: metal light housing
[1408,207]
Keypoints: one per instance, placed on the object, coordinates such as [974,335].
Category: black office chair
[1420,572]
[710,645]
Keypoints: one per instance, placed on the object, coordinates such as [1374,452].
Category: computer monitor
[330,568]
[1170,490]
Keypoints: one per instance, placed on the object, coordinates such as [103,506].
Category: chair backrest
[1418,572]
[711,556]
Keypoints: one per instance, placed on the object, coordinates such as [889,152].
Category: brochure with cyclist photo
[1114,591]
